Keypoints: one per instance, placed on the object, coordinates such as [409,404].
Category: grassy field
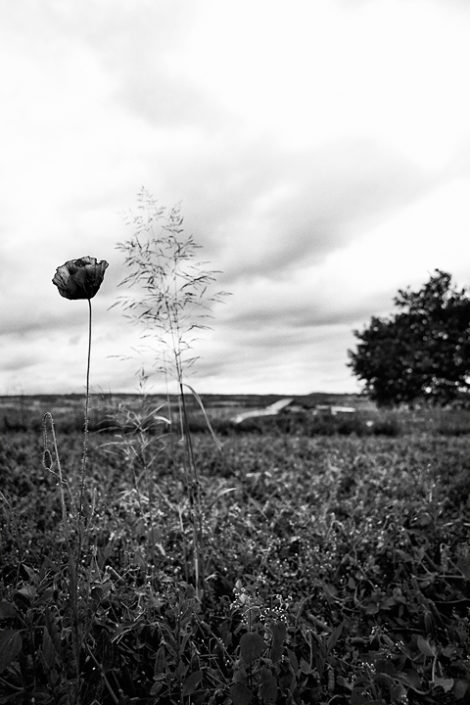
[23,412]
[336,560]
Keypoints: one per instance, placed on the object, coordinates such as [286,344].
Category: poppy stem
[85,427]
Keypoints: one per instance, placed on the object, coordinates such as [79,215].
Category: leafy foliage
[337,571]
[421,352]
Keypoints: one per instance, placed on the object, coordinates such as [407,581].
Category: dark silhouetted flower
[80,278]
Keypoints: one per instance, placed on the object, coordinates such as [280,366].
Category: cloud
[260,209]
[320,168]
[15,362]
[282,359]
[325,196]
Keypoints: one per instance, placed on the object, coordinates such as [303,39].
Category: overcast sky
[320,150]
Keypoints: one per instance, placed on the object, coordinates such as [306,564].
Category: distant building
[342,410]
[333,410]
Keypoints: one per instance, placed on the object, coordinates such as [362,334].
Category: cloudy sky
[320,150]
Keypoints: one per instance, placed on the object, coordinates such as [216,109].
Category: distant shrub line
[384,423]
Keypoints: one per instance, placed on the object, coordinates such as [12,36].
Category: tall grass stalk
[136,440]
[48,463]
[73,543]
[169,297]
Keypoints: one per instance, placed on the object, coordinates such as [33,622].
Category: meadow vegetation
[336,570]
[305,559]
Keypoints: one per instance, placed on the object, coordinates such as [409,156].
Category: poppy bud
[80,278]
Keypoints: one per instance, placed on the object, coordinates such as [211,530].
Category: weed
[169,297]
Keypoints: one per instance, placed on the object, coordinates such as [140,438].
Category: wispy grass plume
[170,294]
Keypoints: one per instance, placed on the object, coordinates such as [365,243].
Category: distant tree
[422,352]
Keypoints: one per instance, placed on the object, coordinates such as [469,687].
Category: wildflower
[80,278]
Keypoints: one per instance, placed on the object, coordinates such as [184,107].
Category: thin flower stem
[74,564]
[85,428]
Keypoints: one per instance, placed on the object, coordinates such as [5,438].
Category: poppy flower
[80,278]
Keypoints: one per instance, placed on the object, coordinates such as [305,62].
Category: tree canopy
[422,352]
